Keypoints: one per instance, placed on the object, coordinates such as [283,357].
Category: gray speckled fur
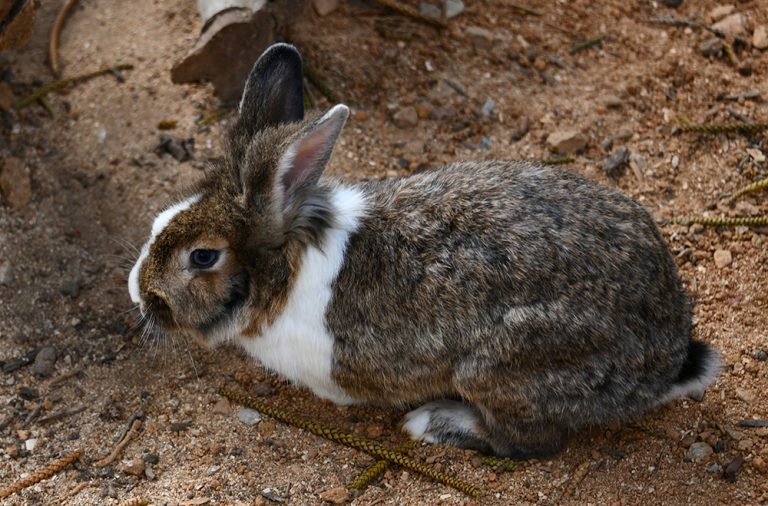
[544,299]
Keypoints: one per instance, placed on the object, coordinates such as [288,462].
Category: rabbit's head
[221,261]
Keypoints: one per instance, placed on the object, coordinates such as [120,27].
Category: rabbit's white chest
[298,344]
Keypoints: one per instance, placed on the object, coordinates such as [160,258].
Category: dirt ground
[96,181]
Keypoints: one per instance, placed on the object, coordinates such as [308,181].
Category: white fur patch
[161,221]
[298,344]
[695,387]
[453,413]
[417,422]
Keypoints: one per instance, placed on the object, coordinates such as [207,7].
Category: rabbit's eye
[204,258]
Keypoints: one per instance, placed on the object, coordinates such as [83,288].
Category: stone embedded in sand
[746,395]
[723,258]
[567,142]
[248,416]
[721,11]
[15,183]
[760,37]
[336,495]
[698,452]
[731,25]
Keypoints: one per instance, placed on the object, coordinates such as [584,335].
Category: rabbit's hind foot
[461,424]
[448,422]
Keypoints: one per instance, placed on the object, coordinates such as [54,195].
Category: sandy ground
[96,181]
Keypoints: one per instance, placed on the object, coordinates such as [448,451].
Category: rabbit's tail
[700,368]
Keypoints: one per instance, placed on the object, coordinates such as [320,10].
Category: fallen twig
[581,46]
[369,447]
[61,83]
[523,9]
[122,444]
[370,474]
[731,54]
[411,12]
[53,46]
[60,415]
[64,377]
[43,474]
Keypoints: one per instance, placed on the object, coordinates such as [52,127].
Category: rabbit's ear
[274,91]
[305,159]
[297,207]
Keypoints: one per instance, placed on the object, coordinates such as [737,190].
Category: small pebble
[698,452]
[618,159]
[746,395]
[730,25]
[760,37]
[336,495]
[760,354]
[567,142]
[487,107]
[711,47]
[248,416]
[713,467]
[723,258]
[30,444]
[45,362]
[222,407]
[134,467]
[15,182]
[759,463]
[732,469]
[721,11]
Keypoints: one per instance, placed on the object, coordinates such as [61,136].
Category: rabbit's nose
[157,305]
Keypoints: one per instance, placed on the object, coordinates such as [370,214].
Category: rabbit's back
[508,271]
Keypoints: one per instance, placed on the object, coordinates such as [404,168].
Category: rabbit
[509,303]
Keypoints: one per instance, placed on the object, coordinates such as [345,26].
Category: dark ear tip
[280,51]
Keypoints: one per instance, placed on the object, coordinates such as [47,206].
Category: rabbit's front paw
[448,422]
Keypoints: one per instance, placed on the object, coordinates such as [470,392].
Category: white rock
[760,37]
[731,25]
[723,258]
[756,154]
[698,452]
[248,416]
[30,444]
[721,11]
